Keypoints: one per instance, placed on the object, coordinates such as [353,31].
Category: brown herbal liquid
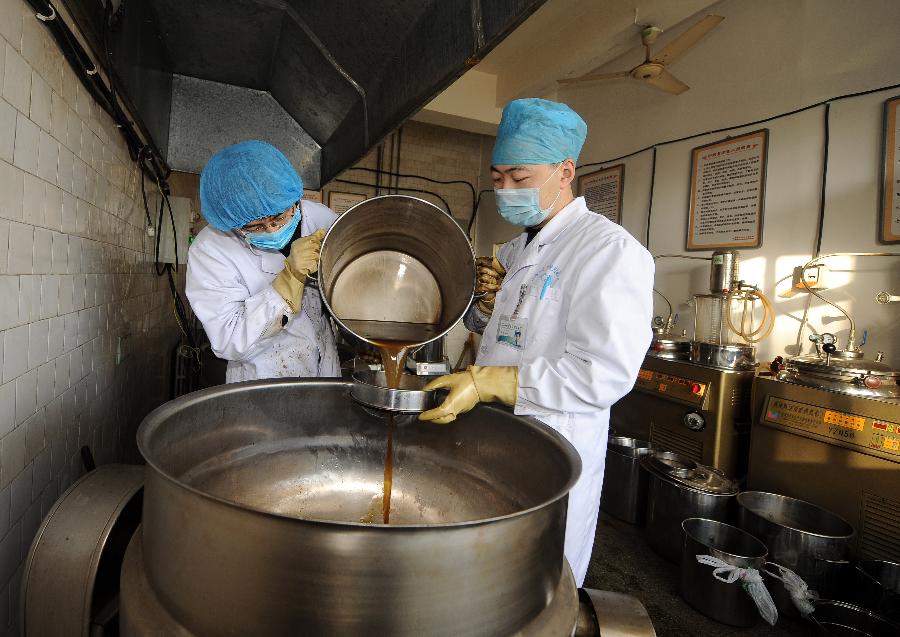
[393,357]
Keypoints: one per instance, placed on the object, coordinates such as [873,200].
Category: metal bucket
[839,619]
[726,603]
[624,483]
[396,268]
[670,502]
[257,496]
[878,587]
[809,540]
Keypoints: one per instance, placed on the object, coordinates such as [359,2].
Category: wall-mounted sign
[728,184]
[890,183]
[602,191]
[312,195]
[341,202]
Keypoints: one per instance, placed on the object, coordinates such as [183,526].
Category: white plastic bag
[751,581]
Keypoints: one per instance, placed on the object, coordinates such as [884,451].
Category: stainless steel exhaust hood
[325,81]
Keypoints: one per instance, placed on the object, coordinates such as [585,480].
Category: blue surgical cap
[245,182]
[536,131]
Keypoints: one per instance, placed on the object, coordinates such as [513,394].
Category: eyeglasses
[269,224]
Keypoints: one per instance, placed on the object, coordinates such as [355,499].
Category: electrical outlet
[121,348]
[811,278]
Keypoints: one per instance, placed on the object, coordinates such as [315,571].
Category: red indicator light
[696,388]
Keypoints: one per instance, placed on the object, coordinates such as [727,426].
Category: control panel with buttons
[684,389]
[869,435]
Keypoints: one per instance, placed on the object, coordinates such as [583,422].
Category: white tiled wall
[76,275]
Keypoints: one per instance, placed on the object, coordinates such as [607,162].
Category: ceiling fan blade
[684,42]
[590,77]
[667,82]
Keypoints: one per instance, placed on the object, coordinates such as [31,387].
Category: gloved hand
[302,260]
[490,275]
[467,389]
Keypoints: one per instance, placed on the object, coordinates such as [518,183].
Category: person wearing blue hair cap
[564,308]
[247,269]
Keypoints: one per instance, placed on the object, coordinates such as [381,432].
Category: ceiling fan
[653,69]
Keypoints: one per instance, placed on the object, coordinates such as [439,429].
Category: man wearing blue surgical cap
[247,269]
[565,316]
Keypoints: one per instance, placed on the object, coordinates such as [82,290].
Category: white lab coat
[588,329]
[229,286]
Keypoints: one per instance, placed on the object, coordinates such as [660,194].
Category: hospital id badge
[512,331]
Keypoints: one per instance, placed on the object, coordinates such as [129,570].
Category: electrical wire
[650,205]
[419,190]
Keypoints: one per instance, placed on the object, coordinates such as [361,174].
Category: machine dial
[694,421]
[828,339]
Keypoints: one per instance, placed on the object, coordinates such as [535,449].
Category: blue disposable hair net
[245,182]
[536,131]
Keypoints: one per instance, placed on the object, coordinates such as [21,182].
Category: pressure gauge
[828,339]
[694,421]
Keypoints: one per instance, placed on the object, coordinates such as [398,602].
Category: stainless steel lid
[628,446]
[669,345]
[685,472]
[845,372]
[727,356]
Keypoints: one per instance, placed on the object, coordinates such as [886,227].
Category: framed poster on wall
[727,193]
[602,191]
[890,182]
[341,202]
[312,195]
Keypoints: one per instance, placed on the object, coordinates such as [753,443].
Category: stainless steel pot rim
[335,225]
[161,413]
[765,549]
[741,498]
[853,608]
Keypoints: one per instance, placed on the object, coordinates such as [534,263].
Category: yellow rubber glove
[475,385]
[302,260]
[490,273]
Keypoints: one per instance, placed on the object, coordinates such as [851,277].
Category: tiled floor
[623,562]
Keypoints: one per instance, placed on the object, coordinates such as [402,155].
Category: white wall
[769,57]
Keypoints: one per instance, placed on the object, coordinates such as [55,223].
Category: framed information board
[728,183]
[890,183]
[602,191]
[341,202]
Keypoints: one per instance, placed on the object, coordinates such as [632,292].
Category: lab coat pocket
[545,309]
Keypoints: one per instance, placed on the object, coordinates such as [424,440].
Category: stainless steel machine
[257,519]
[826,428]
[693,396]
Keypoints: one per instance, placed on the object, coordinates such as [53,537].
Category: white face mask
[522,206]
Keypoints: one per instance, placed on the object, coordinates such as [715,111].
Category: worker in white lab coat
[567,312]
[246,278]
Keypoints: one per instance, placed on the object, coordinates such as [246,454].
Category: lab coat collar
[555,228]
[562,221]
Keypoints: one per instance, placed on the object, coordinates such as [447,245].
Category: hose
[750,294]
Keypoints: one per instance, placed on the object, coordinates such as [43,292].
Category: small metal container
[739,357]
[726,603]
[839,619]
[369,388]
[624,483]
[812,542]
[678,489]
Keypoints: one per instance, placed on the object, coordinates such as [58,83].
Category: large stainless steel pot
[679,489]
[624,482]
[254,495]
[812,542]
[726,603]
[396,268]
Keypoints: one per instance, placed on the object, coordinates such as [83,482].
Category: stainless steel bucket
[396,268]
[807,539]
[877,587]
[624,483]
[839,619]
[255,492]
[671,501]
[726,603]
